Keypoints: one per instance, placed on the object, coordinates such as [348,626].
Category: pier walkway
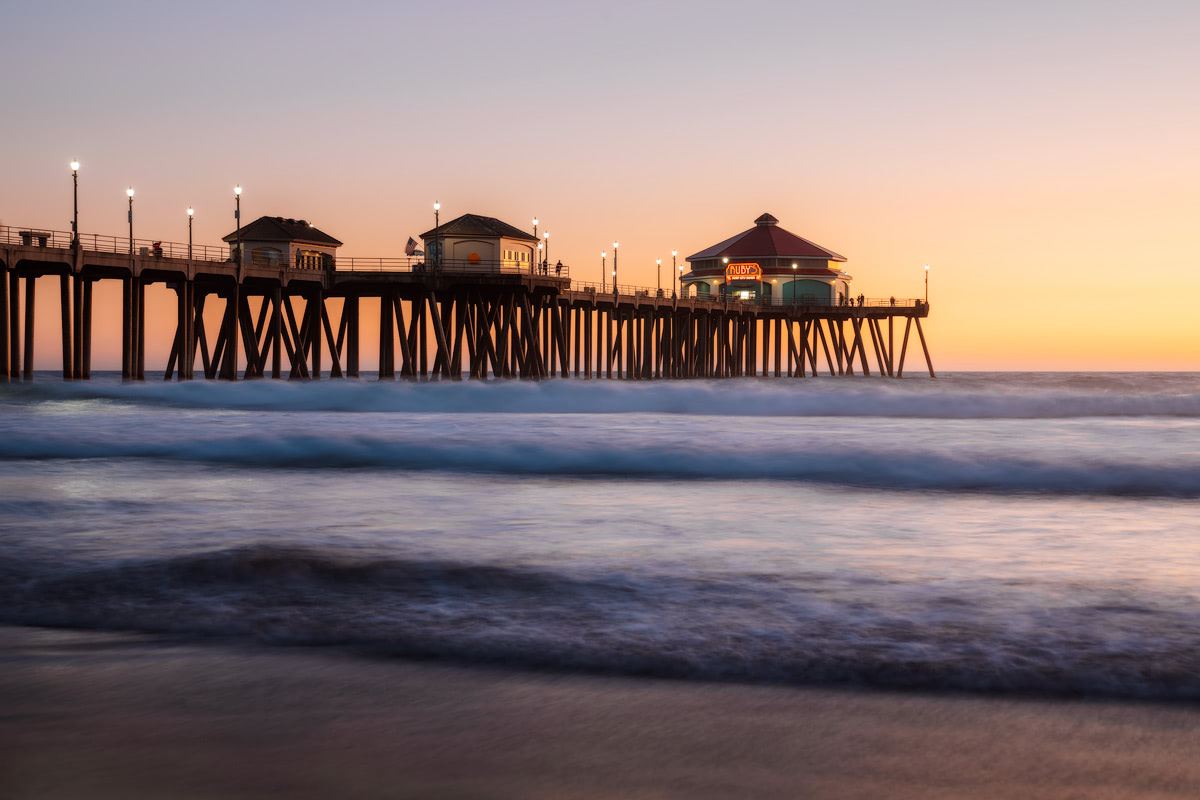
[436,320]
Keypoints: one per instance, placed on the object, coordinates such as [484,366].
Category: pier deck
[436,321]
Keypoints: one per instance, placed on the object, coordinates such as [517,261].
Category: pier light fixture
[191,213]
[237,216]
[129,192]
[437,242]
[535,236]
[658,270]
[603,271]
[614,275]
[75,217]
[547,237]
[926,284]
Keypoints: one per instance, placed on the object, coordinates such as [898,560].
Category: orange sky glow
[1040,157]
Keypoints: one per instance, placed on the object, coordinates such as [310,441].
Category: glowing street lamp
[191,213]
[437,240]
[795,297]
[926,284]
[129,192]
[237,216]
[75,219]
[603,272]
[614,275]
[673,254]
[532,267]
[546,263]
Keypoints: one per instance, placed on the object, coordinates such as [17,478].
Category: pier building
[473,239]
[769,265]
[276,241]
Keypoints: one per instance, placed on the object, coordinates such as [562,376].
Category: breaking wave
[809,629]
[854,463]
[968,396]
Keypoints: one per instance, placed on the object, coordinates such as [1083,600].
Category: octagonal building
[769,265]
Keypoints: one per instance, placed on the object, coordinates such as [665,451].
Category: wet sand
[94,715]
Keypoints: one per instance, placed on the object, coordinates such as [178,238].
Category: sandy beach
[104,715]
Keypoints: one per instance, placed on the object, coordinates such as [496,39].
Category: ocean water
[999,532]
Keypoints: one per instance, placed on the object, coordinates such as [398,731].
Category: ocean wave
[910,466]
[807,629]
[993,396]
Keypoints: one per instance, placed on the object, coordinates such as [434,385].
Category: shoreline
[101,714]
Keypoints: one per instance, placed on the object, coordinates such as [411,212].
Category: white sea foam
[993,395]
[856,462]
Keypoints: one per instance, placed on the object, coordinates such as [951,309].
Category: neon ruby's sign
[743,272]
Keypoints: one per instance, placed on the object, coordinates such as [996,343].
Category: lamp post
[603,272]
[129,192]
[673,254]
[539,257]
[237,216]
[437,239]
[191,213]
[926,284]
[75,218]
[535,238]
[658,273]
[614,275]
[795,297]
[546,263]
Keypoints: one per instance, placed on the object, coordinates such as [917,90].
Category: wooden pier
[436,321]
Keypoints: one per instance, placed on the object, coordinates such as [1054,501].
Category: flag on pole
[411,247]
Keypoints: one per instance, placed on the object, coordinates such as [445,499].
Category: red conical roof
[766,240]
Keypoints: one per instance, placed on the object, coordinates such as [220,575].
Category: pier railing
[736,299]
[101,243]
[41,237]
[455,265]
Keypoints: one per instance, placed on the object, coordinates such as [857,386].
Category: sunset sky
[1042,157]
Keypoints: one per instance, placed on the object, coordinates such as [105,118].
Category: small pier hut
[769,265]
[473,240]
[282,241]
